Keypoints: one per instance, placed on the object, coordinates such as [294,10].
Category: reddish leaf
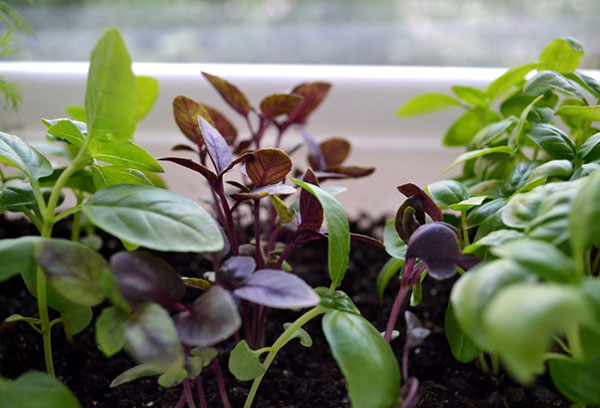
[190,164]
[183,148]
[313,94]
[315,155]
[240,186]
[431,208]
[268,166]
[351,171]
[223,125]
[443,238]
[264,191]
[217,147]
[279,104]
[186,113]
[311,211]
[232,95]
[335,151]
[243,146]
[239,160]
[367,239]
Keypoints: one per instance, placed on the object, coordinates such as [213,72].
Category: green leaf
[514,140]
[154,218]
[332,300]
[448,192]
[133,373]
[285,214]
[483,212]
[467,126]
[76,112]
[110,331]
[172,377]
[538,258]
[514,105]
[546,81]
[473,96]
[111,97]
[562,55]
[15,194]
[553,168]
[125,154]
[476,288]
[473,154]
[394,245]
[34,390]
[509,79]
[15,152]
[68,130]
[467,204]
[590,150]
[577,381]
[244,363]
[366,360]
[462,347]
[105,176]
[18,318]
[147,92]
[427,103]
[490,133]
[586,82]
[76,271]
[517,176]
[338,232]
[494,239]
[585,214]
[301,335]
[80,180]
[591,113]
[392,268]
[542,310]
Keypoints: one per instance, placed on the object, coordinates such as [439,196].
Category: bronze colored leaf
[264,191]
[335,151]
[279,104]
[232,95]
[184,148]
[243,146]
[237,185]
[186,113]
[313,94]
[431,208]
[190,164]
[268,166]
[311,211]
[223,125]
[351,171]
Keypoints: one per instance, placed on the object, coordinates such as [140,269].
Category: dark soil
[299,377]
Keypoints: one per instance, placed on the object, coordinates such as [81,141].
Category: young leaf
[154,218]
[366,360]
[514,140]
[279,104]
[462,347]
[216,145]
[311,212]
[578,381]
[338,232]
[111,99]
[550,81]
[313,94]
[230,93]
[244,363]
[186,112]
[15,152]
[212,318]
[427,103]
[562,55]
[283,212]
[77,272]
[440,263]
[142,277]
[34,390]
[125,154]
[430,207]
[67,130]
[394,245]
[104,176]
[268,166]
[464,129]
[151,337]
[332,300]
[467,204]
[509,79]
[147,92]
[110,331]
[391,268]
[301,335]
[277,289]
[134,373]
[448,192]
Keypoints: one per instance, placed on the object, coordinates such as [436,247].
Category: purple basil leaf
[367,239]
[219,256]
[142,277]
[217,146]
[316,157]
[415,332]
[467,261]
[190,164]
[311,211]
[430,206]
[306,236]
[213,318]
[234,272]
[436,244]
[277,289]
[264,191]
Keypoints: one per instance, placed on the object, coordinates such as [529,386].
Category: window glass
[390,32]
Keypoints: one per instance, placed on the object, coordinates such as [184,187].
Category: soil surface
[299,377]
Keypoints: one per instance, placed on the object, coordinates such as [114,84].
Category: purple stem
[246,317]
[395,311]
[181,402]
[411,398]
[405,353]
[229,221]
[261,326]
[257,251]
[187,391]
[220,383]
[289,248]
[218,209]
[201,394]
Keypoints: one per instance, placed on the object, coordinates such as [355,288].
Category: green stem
[483,363]
[556,356]
[74,210]
[587,262]
[32,217]
[495,363]
[279,343]
[574,340]
[596,263]
[465,231]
